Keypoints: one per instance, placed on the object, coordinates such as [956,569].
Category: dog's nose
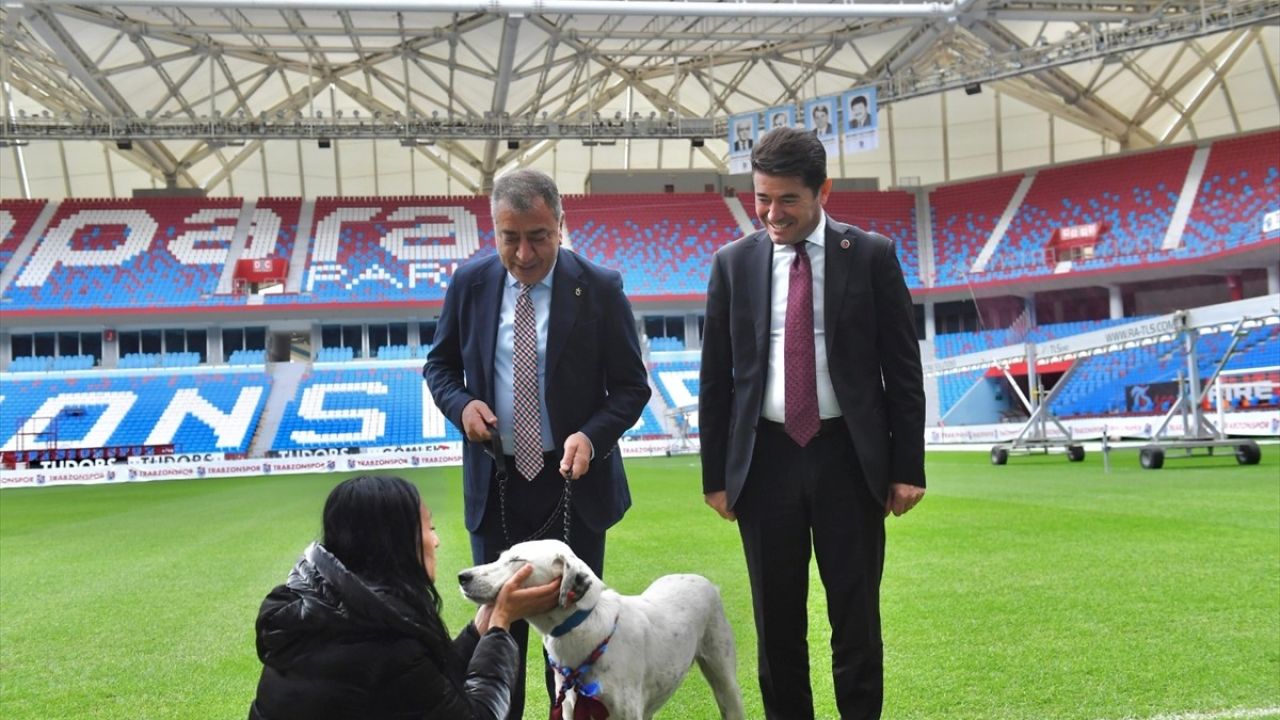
[464,578]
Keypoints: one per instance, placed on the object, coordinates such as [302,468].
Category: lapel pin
[577,291]
[844,244]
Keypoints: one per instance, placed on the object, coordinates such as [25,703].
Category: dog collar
[571,622]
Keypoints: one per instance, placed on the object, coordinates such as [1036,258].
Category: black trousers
[529,505]
[797,500]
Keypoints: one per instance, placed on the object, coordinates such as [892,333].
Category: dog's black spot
[581,584]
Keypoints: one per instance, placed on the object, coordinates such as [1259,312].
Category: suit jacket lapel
[567,290]
[488,289]
[760,285]
[835,279]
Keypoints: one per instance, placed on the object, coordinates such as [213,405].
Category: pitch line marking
[1236,714]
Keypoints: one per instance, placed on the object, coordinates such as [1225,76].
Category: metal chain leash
[563,505]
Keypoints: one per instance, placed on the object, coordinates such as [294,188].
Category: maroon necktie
[800,382]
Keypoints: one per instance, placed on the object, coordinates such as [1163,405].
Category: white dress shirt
[774,387]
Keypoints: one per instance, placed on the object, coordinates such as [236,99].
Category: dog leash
[563,505]
[588,705]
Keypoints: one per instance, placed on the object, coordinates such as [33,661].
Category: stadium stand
[16,219]
[665,344]
[661,243]
[362,407]
[891,213]
[1100,385]
[390,249]
[155,360]
[194,411]
[1241,183]
[44,363]
[953,344]
[274,230]
[247,357]
[114,253]
[1132,196]
[963,216]
[954,386]
[677,381]
[647,426]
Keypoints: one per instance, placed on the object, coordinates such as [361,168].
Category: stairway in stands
[285,378]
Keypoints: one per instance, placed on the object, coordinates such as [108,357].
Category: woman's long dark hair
[374,526]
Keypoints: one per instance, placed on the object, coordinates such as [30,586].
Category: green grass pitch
[1042,589]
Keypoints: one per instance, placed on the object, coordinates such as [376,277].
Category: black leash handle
[495,452]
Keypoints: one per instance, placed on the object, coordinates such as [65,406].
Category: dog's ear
[575,580]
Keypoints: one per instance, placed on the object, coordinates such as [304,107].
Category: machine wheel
[1151,458]
[1075,453]
[1248,453]
[999,456]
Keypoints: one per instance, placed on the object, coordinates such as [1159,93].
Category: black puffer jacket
[333,647]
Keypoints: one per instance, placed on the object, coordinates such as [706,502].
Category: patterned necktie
[524,371]
[800,383]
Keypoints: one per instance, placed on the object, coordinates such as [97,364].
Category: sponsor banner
[454,447]
[659,446]
[69,476]
[234,468]
[293,466]
[314,452]
[148,473]
[58,454]
[1151,397]
[1261,423]
[183,458]
[93,462]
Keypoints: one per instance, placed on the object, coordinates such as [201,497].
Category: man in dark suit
[811,412]
[538,346]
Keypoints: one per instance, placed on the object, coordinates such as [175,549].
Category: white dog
[628,653]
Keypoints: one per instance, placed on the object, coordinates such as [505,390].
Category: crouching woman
[355,631]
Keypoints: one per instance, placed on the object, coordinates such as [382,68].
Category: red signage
[262,269]
[1074,242]
[1075,235]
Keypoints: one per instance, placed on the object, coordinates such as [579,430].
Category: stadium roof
[144,93]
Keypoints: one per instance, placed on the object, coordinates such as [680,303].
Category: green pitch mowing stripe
[1042,589]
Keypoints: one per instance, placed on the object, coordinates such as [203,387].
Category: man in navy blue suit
[589,387]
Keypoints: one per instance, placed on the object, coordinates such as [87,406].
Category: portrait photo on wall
[743,136]
[743,131]
[859,109]
[782,116]
[819,114]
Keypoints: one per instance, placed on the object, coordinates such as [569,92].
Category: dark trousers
[797,499]
[529,504]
